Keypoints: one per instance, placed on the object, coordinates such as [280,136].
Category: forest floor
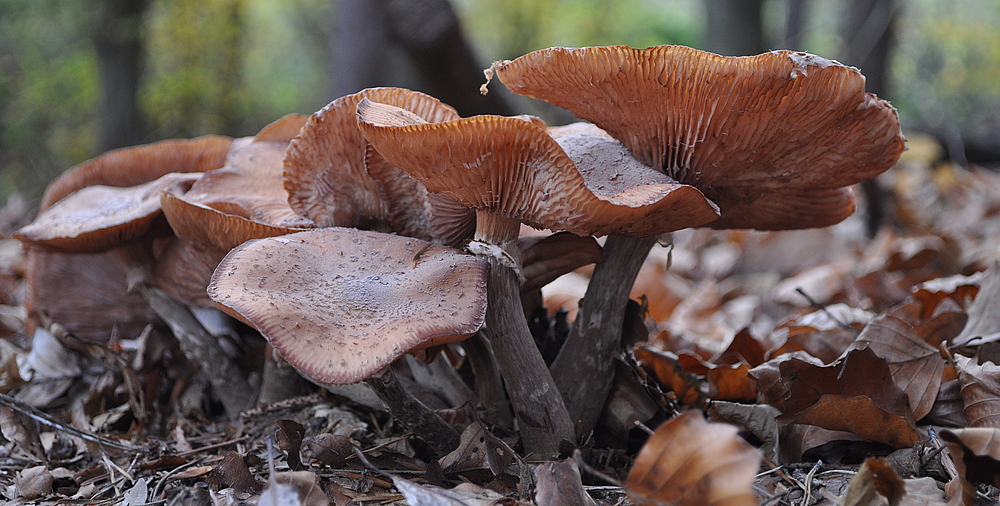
[863,371]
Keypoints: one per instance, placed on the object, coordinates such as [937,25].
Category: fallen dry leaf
[465,494]
[479,449]
[984,319]
[688,461]
[34,482]
[329,449]
[976,455]
[299,488]
[233,472]
[757,419]
[915,366]
[875,479]
[980,391]
[948,409]
[854,394]
[674,372]
[559,484]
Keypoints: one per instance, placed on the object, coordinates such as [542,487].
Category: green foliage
[946,68]
[48,91]
[507,29]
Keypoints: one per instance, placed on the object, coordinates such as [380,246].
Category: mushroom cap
[340,304]
[86,293]
[98,218]
[514,168]
[205,234]
[283,129]
[744,130]
[136,165]
[415,212]
[250,184]
[325,164]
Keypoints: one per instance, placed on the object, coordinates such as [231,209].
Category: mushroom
[774,140]
[511,171]
[87,222]
[341,304]
[325,172]
[103,301]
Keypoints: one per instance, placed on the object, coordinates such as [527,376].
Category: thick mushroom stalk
[341,304]
[510,171]
[774,140]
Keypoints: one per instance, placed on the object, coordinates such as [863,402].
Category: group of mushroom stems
[270,229]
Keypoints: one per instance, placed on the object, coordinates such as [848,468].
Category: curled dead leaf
[980,391]
[854,394]
[689,461]
[915,366]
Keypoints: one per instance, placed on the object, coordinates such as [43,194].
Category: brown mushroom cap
[413,211]
[250,185]
[514,168]
[325,165]
[86,293]
[136,165]
[744,130]
[98,218]
[340,304]
[283,129]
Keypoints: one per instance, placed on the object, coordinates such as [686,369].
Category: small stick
[47,420]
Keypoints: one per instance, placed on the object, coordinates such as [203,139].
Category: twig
[210,447]
[822,307]
[47,420]
[578,458]
[163,481]
[809,479]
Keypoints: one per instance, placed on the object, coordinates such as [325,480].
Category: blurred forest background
[78,78]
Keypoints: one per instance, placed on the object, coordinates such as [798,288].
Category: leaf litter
[863,371]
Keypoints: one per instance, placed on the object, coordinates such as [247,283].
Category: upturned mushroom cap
[413,211]
[325,164]
[339,304]
[747,131]
[98,218]
[250,185]
[136,165]
[514,168]
[283,129]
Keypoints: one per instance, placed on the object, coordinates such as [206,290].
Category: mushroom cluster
[339,236]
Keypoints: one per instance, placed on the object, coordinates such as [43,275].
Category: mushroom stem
[413,414]
[541,414]
[584,368]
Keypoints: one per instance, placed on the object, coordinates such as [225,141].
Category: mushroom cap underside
[325,172]
[742,126]
[340,304]
[512,167]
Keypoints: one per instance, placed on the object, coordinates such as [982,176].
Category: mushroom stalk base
[200,346]
[413,414]
[584,369]
[542,418]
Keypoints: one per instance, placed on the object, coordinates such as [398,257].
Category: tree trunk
[869,32]
[373,35]
[734,27]
[118,41]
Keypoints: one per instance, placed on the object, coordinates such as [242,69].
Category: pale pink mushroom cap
[340,304]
